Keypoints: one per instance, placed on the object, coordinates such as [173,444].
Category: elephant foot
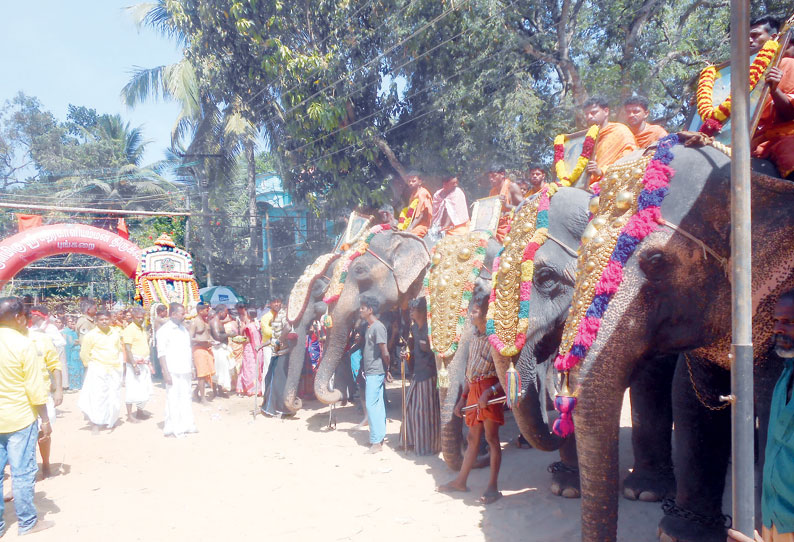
[649,486]
[564,480]
[682,525]
[482,461]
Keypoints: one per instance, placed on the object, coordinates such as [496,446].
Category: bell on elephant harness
[442,380]
[512,386]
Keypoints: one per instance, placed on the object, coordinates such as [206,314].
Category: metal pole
[742,420]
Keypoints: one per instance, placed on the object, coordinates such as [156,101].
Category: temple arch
[33,244]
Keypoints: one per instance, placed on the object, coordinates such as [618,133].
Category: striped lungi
[423,416]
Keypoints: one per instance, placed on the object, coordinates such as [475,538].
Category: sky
[83,52]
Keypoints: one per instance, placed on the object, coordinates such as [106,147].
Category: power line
[93,210]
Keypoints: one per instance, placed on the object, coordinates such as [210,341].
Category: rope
[706,249]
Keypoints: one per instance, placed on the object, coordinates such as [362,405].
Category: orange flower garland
[705,89]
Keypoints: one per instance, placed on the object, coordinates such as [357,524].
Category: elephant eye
[654,264]
[545,279]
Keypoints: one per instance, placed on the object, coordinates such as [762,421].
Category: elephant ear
[410,259]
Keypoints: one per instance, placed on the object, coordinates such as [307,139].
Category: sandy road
[290,479]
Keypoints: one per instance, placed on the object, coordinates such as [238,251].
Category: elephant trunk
[530,413]
[601,380]
[451,428]
[343,317]
[295,367]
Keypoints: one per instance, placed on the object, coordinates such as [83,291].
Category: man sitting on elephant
[774,138]
[416,218]
[482,385]
[614,140]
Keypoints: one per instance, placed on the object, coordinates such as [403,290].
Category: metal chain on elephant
[697,393]
[670,508]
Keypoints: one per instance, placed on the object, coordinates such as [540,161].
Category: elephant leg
[652,478]
[565,473]
[702,450]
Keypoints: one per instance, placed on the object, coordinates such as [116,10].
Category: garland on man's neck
[714,117]
[588,146]
[407,215]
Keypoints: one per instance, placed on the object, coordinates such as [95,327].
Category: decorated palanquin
[357,226]
[165,275]
[455,266]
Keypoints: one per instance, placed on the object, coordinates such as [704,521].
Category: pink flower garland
[647,219]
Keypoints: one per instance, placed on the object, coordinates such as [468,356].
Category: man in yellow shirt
[102,355]
[138,377]
[23,397]
[51,371]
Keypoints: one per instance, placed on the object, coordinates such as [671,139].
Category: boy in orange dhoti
[201,339]
[481,385]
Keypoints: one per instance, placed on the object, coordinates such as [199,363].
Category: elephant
[391,270]
[313,308]
[675,298]
[550,300]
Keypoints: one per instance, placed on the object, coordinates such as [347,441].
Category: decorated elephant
[388,265]
[653,279]
[530,339]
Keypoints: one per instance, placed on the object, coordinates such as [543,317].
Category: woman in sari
[74,364]
[248,380]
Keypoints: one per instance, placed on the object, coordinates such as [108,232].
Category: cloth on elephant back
[774,139]
[495,413]
[299,296]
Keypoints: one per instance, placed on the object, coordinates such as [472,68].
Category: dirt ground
[291,479]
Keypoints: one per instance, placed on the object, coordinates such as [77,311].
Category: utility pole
[742,415]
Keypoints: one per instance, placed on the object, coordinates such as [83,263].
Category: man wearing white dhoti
[100,351]
[222,379]
[138,377]
[176,360]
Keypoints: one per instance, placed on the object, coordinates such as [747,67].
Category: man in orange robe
[534,181]
[774,138]
[510,194]
[635,109]
[614,140]
[416,218]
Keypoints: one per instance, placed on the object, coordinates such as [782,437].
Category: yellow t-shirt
[135,336]
[21,384]
[102,348]
[267,329]
[47,353]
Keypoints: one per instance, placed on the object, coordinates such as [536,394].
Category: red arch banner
[34,244]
